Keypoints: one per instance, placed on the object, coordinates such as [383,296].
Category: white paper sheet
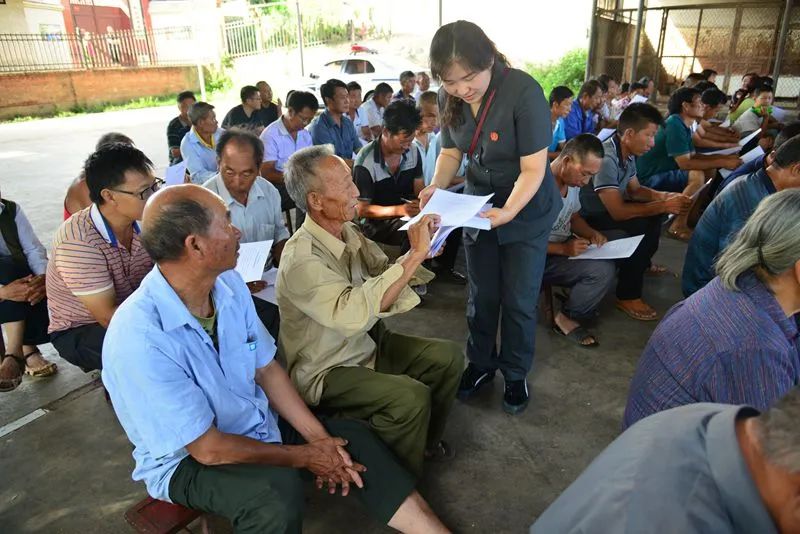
[726,124]
[252,259]
[736,149]
[174,175]
[268,293]
[750,137]
[617,249]
[605,133]
[780,114]
[639,98]
[455,209]
[747,158]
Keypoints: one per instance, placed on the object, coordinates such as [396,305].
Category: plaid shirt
[731,347]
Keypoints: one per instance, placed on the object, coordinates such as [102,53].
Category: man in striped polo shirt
[98,259]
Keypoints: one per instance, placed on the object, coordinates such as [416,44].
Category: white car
[364,66]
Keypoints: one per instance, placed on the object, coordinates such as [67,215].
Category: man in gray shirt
[254,205]
[700,468]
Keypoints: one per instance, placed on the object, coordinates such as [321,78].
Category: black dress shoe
[451,276]
[472,380]
[516,397]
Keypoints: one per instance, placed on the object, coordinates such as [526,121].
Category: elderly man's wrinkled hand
[329,461]
[419,234]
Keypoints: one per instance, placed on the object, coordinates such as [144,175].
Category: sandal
[683,235]
[441,451]
[578,335]
[48,369]
[639,316]
[9,384]
[656,270]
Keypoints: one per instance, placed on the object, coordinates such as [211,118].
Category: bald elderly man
[334,286]
[216,423]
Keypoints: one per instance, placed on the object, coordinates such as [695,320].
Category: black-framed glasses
[145,194]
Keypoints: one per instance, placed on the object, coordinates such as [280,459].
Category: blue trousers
[504,283]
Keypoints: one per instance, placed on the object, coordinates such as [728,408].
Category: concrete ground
[66,463]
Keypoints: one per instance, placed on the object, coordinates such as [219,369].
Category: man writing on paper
[254,204]
[388,173]
[334,286]
[588,280]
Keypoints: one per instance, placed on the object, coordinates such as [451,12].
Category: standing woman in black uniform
[499,118]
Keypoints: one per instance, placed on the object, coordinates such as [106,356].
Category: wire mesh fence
[22,52]
[732,39]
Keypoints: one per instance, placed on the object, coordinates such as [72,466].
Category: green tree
[569,71]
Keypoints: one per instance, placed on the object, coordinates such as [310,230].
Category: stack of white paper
[747,158]
[252,259]
[617,249]
[175,174]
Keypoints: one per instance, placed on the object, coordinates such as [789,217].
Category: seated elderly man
[334,285]
[699,469]
[215,421]
[254,205]
[728,212]
[23,308]
[736,340]
[98,259]
[197,146]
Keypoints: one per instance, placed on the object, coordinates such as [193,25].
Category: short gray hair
[769,243]
[779,433]
[163,236]
[301,172]
[199,111]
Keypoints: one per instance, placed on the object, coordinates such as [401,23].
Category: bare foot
[637,309]
[567,325]
[10,374]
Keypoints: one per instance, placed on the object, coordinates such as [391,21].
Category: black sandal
[578,335]
[441,451]
[10,384]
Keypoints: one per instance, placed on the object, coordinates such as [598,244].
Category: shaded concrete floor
[69,470]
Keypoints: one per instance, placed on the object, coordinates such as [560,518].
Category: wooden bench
[151,516]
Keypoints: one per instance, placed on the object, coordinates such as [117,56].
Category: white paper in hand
[747,158]
[454,209]
[617,249]
[252,259]
[268,293]
[175,174]
[605,133]
[639,99]
[743,141]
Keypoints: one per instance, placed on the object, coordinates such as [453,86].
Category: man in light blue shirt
[212,416]
[255,207]
[197,146]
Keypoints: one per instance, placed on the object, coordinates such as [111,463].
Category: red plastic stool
[151,516]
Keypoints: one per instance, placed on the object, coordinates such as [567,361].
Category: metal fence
[22,52]
[733,39]
[280,25]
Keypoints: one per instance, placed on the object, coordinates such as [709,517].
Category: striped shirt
[87,259]
[730,347]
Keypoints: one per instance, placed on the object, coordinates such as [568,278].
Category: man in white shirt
[254,205]
[373,108]
[23,304]
[588,280]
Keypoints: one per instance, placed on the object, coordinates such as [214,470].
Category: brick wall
[44,93]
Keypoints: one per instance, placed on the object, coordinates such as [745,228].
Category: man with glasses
[254,205]
[247,114]
[98,259]
[286,136]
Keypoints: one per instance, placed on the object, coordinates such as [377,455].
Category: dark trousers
[36,318]
[81,346]
[265,499]
[269,315]
[588,280]
[631,270]
[503,280]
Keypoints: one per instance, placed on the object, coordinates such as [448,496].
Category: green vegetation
[217,78]
[569,71]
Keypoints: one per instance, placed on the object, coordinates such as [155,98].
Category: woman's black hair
[466,43]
